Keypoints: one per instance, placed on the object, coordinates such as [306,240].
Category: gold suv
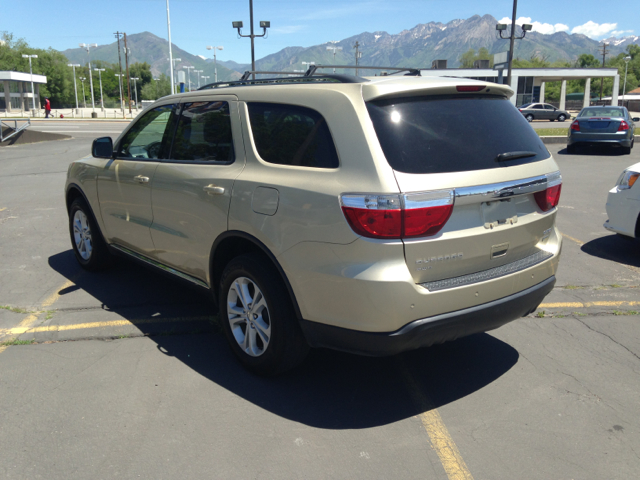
[371,215]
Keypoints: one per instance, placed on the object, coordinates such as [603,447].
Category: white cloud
[595,30]
[544,28]
[620,32]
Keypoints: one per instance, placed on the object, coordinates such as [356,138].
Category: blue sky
[63,24]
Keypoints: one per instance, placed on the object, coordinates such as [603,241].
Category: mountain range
[416,47]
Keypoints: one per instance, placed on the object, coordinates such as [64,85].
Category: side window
[292,135]
[537,107]
[204,133]
[149,136]
[548,107]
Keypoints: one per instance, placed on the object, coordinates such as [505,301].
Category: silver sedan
[543,111]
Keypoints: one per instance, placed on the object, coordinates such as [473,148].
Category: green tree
[156,88]
[466,59]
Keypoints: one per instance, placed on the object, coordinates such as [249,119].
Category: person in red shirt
[47,108]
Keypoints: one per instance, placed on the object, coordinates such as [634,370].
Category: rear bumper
[624,141]
[432,330]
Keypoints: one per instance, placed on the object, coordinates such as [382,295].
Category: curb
[563,139]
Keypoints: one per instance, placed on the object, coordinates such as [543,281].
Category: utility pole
[126,58]
[118,34]
[604,54]
[358,54]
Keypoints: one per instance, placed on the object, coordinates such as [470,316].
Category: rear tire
[88,244]
[258,317]
[626,150]
[529,118]
[571,149]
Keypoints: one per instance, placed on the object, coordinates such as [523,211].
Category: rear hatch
[487,166]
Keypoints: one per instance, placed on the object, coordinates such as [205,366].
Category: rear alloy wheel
[562,117]
[89,247]
[529,118]
[258,317]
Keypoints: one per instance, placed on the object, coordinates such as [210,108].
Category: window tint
[149,136]
[538,106]
[602,112]
[204,133]
[440,134]
[292,135]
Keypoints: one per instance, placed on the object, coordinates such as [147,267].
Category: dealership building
[15,91]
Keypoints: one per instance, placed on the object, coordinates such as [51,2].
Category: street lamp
[500,27]
[263,24]
[75,87]
[120,75]
[87,46]
[206,77]
[188,69]
[135,89]
[198,72]
[33,93]
[334,49]
[627,59]
[173,67]
[215,62]
[170,51]
[84,97]
[100,70]
[156,80]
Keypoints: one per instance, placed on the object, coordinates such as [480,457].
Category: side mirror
[636,119]
[102,147]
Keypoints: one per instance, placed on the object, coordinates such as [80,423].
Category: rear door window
[203,133]
[442,134]
[292,135]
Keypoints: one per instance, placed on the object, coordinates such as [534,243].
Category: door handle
[214,189]
[141,179]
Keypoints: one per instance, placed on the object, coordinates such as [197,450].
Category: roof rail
[308,76]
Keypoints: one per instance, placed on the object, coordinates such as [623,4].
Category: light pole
[206,77]
[87,46]
[263,24]
[198,72]
[75,87]
[215,62]
[120,75]
[170,52]
[100,70]
[334,49]
[84,97]
[172,67]
[33,93]
[627,59]
[135,90]
[188,69]
[156,80]
[502,27]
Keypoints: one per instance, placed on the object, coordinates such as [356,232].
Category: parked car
[602,125]
[543,111]
[623,204]
[371,215]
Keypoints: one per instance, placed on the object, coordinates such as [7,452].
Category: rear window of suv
[442,134]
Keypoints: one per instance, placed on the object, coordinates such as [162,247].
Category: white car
[623,204]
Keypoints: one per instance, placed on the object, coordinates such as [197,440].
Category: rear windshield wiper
[505,157]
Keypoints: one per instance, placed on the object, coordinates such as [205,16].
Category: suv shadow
[332,390]
[615,248]
[597,150]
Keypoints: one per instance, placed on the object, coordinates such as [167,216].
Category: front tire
[258,317]
[88,245]
[562,117]
[529,118]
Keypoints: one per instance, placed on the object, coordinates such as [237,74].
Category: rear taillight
[550,197]
[575,126]
[398,216]
[624,126]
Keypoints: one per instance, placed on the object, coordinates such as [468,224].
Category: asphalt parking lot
[125,374]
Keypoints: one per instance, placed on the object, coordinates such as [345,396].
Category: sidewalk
[73,114]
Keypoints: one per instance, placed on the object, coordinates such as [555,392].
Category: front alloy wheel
[82,235]
[248,315]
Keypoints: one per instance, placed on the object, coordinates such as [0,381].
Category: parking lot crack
[609,337]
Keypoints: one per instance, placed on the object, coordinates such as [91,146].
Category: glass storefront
[525,91]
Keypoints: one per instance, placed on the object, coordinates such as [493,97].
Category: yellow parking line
[588,304]
[441,441]
[573,239]
[112,323]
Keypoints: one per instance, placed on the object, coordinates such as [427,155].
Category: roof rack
[308,77]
